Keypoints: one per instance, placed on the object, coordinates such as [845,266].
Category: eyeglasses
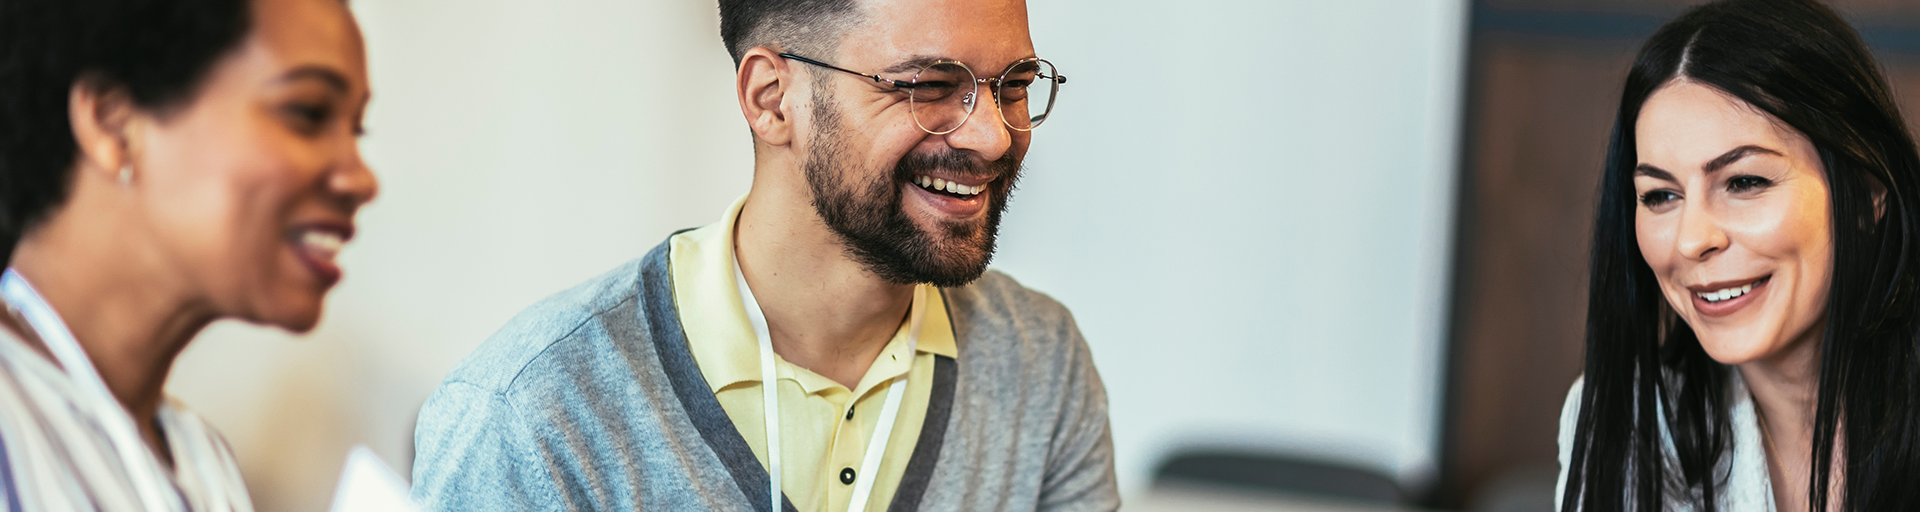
[943,93]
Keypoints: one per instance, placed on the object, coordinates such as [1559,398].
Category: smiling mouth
[322,244]
[1726,294]
[948,188]
[317,247]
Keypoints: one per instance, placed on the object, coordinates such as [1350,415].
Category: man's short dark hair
[807,27]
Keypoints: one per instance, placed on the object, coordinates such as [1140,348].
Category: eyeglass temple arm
[1057,78]
[876,78]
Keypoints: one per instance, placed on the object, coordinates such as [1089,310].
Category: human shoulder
[1569,424]
[1570,410]
[531,338]
[1017,336]
[31,387]
[1570,418]
[1025,368]
[997,302]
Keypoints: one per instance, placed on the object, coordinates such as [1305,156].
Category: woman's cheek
[1655,237]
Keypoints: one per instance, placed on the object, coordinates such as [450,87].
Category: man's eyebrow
[1650,171]
[325,75]
[913,63]
[1735,155]
[916,62]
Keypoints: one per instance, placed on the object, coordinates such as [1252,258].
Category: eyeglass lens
[944,94]
[1026,94]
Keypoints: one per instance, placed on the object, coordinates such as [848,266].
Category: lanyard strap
[770,395]
[883,432]
[143,469]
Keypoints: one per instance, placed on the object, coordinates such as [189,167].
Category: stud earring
[126,175]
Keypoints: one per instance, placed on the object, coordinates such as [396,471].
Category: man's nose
[983,132]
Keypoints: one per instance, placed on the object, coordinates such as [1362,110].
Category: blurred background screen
[1328,254]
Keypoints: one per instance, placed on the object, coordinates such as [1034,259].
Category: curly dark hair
[157,51]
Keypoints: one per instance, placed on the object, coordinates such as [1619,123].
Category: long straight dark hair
[1799,62]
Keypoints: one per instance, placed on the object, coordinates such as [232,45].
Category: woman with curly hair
[163,164]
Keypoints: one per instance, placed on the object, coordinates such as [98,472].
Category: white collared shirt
[1748,486]
[59,457]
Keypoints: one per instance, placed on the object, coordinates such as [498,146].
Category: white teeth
[951,187]
[324,244]
[1726,294]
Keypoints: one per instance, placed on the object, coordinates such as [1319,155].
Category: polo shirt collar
[715,321]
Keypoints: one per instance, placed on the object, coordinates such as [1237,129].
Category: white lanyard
[770,395]
[143,468]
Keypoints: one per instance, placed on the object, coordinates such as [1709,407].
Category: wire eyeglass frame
[967,102]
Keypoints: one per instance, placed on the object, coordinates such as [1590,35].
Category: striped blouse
[55,456]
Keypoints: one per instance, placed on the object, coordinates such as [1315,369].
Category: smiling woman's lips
[1733,305]
[317,246]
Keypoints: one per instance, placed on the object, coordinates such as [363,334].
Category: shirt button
[849,412]
[846,476]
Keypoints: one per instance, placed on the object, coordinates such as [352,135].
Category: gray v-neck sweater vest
[591,400]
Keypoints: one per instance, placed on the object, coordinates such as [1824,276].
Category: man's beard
[875,230]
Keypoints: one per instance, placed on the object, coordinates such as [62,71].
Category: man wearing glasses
[887,138]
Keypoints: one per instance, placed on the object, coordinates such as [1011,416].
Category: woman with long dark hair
[1752,326]
[163,164]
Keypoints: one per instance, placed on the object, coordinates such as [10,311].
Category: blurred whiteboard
[1247,205]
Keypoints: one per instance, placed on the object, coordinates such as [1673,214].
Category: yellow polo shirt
[824,427]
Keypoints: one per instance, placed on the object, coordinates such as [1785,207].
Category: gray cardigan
[591,400]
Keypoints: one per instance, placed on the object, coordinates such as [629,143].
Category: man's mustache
[956,162]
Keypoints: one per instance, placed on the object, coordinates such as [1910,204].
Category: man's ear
[762,83]
[101,116]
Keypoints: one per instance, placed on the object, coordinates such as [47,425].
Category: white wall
[1245,204]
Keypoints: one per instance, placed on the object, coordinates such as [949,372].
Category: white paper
[367,484]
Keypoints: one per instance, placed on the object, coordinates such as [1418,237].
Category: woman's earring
[126,175]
